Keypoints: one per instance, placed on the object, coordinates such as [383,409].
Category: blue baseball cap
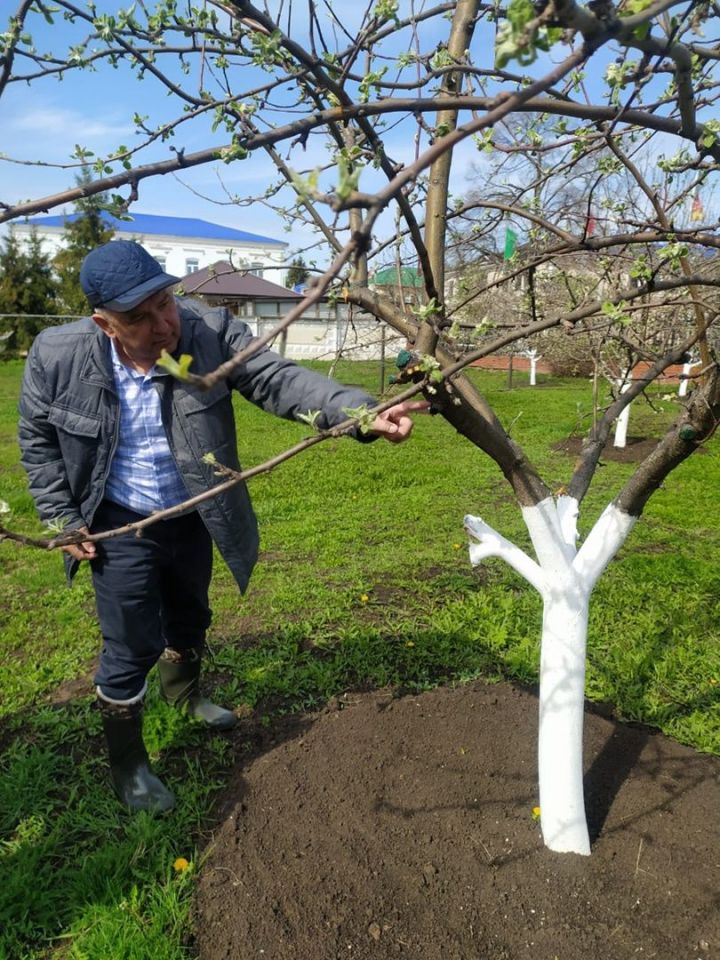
[121,274]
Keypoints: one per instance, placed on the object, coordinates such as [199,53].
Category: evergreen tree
[40,296]
[298,273]
[27,287]
[82,234]
[12,275]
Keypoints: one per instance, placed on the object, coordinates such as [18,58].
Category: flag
[696,211]
[510,244]
[590,225]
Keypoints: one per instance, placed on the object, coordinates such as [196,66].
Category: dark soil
[635,449]
[402,827]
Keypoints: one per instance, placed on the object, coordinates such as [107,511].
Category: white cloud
[60,129]
[65,122]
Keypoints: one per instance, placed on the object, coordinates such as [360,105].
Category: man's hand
[81,551]
[395,424]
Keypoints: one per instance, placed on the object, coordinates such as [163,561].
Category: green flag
[510,243]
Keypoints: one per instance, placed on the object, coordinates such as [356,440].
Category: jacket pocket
[198,401]
[74,421]
[208,425]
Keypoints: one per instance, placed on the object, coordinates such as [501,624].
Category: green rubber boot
[180,687]
[132,777]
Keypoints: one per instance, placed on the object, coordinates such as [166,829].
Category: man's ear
[105,325]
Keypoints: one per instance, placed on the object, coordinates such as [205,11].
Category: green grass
[364,581]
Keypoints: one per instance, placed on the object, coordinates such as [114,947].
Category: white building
[181,245]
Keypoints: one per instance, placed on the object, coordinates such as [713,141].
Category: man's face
[144,332]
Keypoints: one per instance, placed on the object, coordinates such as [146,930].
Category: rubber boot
[180,687]
[132,777]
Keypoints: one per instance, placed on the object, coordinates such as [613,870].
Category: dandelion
[410,643]
[181,865]
[457,546]
[536,813]
[364,598]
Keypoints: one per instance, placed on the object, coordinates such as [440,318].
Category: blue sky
[47,118]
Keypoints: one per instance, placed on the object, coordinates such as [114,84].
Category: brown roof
[221,279]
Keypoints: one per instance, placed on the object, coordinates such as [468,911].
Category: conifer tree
[28,289]
[12,275]
[298,273]
[82,234]
[40,295]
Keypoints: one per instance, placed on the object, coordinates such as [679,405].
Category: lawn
[364,581]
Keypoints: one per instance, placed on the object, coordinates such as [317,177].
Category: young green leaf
[176,368]
[310,417]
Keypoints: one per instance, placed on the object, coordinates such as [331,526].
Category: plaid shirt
[143,473]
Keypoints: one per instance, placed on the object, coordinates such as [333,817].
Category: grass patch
[364,581]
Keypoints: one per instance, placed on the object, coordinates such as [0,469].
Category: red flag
[696,211]
[590,225]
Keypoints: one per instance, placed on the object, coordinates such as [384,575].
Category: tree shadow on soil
[609,769]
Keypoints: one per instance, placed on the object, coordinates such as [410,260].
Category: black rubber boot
[134,782]
[180,687]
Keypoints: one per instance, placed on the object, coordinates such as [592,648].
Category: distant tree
[41,287]
[39,294]
[82,234]
[28,289]
[298,273]
[12,275]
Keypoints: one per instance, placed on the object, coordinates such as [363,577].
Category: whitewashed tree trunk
[687,367]
[621,424]
[533,356]
[564,577]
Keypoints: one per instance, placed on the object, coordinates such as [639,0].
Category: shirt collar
[122,369]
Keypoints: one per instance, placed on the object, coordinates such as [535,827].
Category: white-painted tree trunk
[533,356]
[621,424]
[564,577]
[687,367]
[560,729]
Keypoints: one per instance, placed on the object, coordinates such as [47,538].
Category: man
[108,438]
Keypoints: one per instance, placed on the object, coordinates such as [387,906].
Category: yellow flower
[181,865]
[456,546]
[364,598]
[536,813]
[410,643]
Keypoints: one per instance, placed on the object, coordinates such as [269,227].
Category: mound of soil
[635,450]
[402,827]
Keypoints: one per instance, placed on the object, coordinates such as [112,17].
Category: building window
[256,269]
[192,265]
[163,262]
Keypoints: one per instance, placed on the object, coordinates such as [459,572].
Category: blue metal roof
[148,223]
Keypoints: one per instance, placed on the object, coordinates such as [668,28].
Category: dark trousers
[151,592]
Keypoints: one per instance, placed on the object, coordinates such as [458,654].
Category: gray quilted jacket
[69,421]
